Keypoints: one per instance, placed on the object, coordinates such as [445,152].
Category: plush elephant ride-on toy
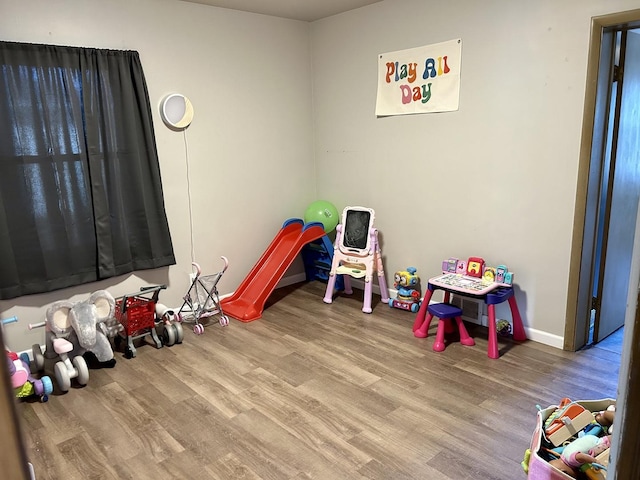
[74,335]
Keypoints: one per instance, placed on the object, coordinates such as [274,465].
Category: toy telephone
[475,266]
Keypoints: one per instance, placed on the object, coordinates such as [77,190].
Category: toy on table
[475,267]
[451,265]
[406,282]
[473,275]
[22,381]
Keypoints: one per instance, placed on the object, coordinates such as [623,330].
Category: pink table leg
[519,334]
[422,313]
[492,350]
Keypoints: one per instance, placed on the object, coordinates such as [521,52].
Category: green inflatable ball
[323,212]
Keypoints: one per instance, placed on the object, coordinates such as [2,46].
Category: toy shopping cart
[137,315]
[202,300]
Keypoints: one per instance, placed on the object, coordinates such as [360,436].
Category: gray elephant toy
[86,319]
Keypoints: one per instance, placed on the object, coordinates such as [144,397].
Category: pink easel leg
[422,312]
[465,339]
[366,307]
[384,291]
[492,350]
[438,345]
[328,295]
[423,330]
[519,334]
[347,285]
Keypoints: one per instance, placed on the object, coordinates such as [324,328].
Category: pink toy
[23,383]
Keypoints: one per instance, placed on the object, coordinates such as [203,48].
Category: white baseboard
[532,334]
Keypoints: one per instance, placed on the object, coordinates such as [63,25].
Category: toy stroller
[202,300]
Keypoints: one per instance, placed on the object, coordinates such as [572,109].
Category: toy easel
[357,254]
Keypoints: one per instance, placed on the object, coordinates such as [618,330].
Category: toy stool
[444,312]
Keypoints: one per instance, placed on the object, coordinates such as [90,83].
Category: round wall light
[176,111]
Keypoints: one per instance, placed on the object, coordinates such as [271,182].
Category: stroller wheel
[179,332]
[224,320]
[169,335]
[129,352]
[198,329]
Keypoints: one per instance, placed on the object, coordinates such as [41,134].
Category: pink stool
[444,312]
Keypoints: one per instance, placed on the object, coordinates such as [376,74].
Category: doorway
[612,189]
[619,185]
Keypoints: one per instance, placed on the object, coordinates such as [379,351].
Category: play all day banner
[419,80]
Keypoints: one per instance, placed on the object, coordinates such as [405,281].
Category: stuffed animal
[85,318]
[580,451]
[606,417]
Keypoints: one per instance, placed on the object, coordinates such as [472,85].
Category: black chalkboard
[356,222]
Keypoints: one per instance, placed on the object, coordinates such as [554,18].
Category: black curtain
[80,188]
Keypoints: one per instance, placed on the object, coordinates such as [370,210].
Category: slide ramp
[247,302]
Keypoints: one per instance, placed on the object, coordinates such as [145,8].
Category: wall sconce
[176,111]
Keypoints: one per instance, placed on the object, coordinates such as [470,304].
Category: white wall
[249,146]
[495,179]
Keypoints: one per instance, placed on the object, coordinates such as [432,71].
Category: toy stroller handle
[199,270]
[37,325]
[9,320]
[197,267]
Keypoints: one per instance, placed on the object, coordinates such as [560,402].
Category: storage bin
[539,468]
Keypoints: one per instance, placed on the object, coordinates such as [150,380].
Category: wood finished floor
[310,391]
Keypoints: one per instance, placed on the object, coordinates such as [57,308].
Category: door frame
[626,435]
[584,224]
